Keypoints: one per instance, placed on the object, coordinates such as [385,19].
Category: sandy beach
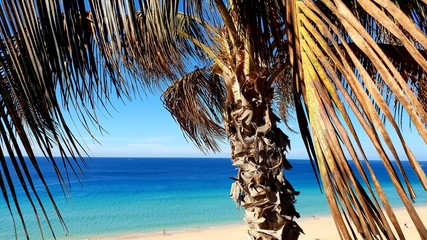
[316,228]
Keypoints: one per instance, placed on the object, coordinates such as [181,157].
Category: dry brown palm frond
[328,75]
[196,101]
[411,72]
[342,53]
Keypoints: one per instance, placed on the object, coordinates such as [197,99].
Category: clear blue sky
[144,128]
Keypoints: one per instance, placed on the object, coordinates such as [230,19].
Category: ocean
[134,195]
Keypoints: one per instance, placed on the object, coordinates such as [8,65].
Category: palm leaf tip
[196,102]
[359,56]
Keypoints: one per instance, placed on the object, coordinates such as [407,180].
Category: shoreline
[320,227]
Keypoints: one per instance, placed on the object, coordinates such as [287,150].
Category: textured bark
[257,150]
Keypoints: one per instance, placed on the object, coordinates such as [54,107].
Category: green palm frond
[58,55]
[351,62]
[196,101]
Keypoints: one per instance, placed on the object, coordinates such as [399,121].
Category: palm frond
[76,54]
[329,73]
[263,19]
[196,101]
[284,96]
[57,55]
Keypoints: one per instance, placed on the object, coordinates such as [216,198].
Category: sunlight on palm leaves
[340,64]
[332,68]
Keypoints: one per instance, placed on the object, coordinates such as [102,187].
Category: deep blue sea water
[132,195]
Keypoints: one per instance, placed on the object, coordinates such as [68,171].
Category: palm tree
[337,63]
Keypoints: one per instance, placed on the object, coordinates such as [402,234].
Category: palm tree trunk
[257,150]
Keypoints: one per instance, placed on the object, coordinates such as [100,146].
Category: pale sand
[320,228]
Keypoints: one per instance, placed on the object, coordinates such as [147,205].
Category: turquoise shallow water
[121,195]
